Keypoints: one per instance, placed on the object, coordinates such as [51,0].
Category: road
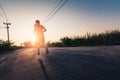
[73,63]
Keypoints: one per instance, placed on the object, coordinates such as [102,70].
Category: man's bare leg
[38,50]
[46,48]
[47,51]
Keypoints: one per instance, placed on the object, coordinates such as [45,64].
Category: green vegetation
[5,46]
[106,38]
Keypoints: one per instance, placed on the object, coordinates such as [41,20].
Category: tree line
[89,39]
[5,46]
[104,38]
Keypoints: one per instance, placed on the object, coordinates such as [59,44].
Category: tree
[66,41]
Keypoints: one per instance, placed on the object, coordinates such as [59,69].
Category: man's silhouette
[39,32]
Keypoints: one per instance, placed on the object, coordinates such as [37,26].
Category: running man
[39,32]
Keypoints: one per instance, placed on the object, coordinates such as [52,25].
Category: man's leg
[38,50]
[46,48]
[47,51]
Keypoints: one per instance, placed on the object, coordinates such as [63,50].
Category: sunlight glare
[33,39]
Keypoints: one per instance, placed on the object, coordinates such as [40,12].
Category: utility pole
[7,30]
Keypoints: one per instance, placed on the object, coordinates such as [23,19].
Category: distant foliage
[66,41]
[5,46]
[55,44]
[106,38]
[28,44]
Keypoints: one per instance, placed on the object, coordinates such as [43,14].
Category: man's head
[37,22]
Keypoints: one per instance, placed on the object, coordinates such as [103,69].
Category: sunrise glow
[76,17]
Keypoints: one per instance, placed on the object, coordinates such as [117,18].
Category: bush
[106,38]
[5,46]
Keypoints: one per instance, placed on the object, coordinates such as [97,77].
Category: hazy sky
[77,17]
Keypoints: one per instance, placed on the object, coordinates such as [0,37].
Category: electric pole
[7,30]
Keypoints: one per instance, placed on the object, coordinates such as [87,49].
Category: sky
[75,18]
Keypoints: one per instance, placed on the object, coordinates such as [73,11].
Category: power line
[7,24]
[3,11]
[55,10]
[1,14]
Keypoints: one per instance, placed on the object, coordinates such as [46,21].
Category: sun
[33,39]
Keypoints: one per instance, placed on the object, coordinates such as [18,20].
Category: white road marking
[2,58]
[2,64]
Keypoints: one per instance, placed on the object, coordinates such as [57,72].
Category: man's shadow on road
[46,76]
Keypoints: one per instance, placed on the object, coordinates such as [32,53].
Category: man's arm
[44,29]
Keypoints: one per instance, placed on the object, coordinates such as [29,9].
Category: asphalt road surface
[73,63]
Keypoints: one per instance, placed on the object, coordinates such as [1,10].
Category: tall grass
[105,38]
[5,46]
